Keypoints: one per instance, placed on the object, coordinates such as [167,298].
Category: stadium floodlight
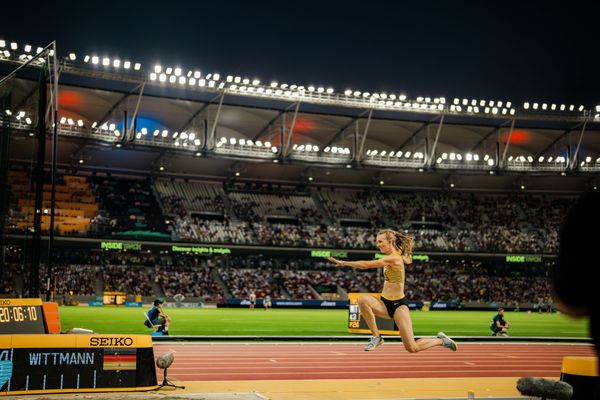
[469,157]
[164,133]
[530,159]
[499,104]
[117,133]
[452,156]
[157,69]
[127,64]
[273,149]
[327,149]
[169,71]
[211,84]
[197,142]
[8,112]
[383,153]
[106,61]
[79,123]
[402,97]
[116,63]
[175,134]
[72,56]
[172,79]
[216,76]
[177,71]
[311,88]
[544,106]
[138,135]
[407,154]
[456,101]
[320,89]
[70,121]
[137,66]
[535,106]
[526,105]
[494,110]
[356,93]
[510,158]
[3,43]
[465,102]
[571,107]
[439,160]
[14,46]
[588,159]
[153,76]
[420,99]
[28,121]
[95,59]
[581,108]
[475,157]
[330,90]
[144,131]
[155,133]
[553,107]
[348,92]
[481,103]
[86,58]
[162,77]
[182,80]
[444,156]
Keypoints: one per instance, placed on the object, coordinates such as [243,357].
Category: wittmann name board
[75,363]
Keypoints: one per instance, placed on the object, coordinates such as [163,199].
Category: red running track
[267,361]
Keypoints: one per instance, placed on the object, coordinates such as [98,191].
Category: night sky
[508,50]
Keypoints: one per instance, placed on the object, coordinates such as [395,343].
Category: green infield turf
[278,322]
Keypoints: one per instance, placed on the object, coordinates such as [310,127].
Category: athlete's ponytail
[402,242]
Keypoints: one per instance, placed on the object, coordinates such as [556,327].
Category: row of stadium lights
[184,138]
[193,78]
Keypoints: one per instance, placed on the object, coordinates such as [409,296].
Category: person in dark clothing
[499,325]
[157,317]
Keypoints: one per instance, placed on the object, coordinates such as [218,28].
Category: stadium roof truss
[129,122]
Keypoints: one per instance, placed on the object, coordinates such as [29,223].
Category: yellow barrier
[582,374]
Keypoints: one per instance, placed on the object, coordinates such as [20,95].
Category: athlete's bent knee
[411,347]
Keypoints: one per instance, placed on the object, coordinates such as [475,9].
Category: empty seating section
[256,207]
[75,205]
[183,197]
[346,204]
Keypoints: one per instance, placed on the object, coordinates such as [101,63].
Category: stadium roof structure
[185,124]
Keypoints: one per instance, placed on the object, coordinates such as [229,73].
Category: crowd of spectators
[215,279]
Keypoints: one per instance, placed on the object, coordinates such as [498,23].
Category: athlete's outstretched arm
[360,264]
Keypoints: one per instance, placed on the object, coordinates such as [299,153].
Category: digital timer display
[21,316]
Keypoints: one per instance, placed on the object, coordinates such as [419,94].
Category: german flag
[119,359]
